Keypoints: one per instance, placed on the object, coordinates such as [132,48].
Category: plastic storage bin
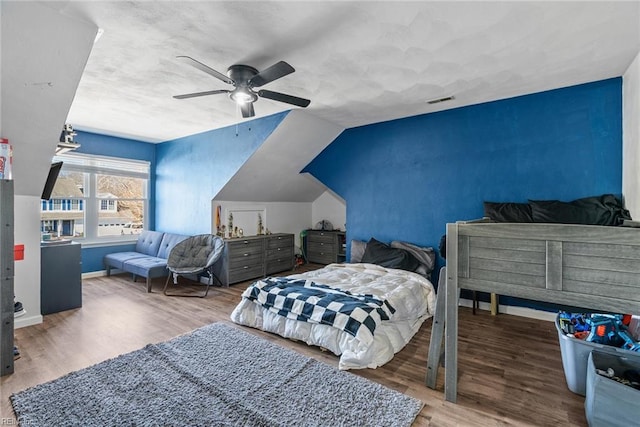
[608,402]
[575,355]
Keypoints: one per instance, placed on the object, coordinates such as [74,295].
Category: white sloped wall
[43,56]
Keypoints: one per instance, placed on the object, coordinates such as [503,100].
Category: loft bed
[589,266]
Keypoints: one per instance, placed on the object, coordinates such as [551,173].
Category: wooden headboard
[594,267]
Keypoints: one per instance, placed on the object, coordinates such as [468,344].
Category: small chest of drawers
[255,256]
[325,247]
[279,253]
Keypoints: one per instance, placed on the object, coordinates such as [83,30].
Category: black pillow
[386,256]
[598,210]
[508,212]
[603,210]
[556,212]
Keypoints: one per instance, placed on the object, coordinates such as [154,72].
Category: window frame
[91,166]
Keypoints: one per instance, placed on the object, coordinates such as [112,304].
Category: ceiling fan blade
[247,109]
[200,66]
[270,74]
[193,95]
[282,97]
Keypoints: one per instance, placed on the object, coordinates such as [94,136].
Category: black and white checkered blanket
[299,299]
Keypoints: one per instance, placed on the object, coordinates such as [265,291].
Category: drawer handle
[246,242]
[279,249]
[246,254]
[245,267]
[321,244]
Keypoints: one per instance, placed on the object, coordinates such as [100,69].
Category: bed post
[437,331]
[451,316]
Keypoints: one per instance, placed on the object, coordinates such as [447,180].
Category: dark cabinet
[60,277]
[6,277]
[325,247]
[250,257]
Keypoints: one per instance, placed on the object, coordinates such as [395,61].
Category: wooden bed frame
[594,267]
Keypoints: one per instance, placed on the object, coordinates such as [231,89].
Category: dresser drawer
[280,242]
[321,257]
[321,247]
[242,246]
[244,260]
[278,265]
[279,253]
[320,236]
[245,273]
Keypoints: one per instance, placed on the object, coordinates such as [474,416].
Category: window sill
[106,242]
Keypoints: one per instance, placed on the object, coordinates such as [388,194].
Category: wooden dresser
[247,258]
[325,247]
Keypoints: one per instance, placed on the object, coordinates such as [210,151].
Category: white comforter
[411,295]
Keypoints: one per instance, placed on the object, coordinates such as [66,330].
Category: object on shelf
[18,309]
[6,158]
[323,225]
[66,142]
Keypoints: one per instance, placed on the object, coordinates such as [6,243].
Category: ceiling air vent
[439,100]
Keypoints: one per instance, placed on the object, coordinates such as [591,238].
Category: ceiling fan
[245,78]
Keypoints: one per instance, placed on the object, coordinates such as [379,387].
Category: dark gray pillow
[386,256]
[508,212]
[598,210]
[557,212]
[425,255]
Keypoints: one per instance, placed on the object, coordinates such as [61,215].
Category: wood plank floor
[510,369]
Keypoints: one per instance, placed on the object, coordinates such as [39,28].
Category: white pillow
[357,250]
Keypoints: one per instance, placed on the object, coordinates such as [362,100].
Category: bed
[590,266]
[403,300]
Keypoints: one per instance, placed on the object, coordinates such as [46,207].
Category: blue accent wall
[192,170]
[104,145]
[406,179]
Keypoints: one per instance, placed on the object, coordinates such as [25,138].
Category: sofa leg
[108,271]
[148,284]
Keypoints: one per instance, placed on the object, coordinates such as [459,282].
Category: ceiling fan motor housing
[241,74]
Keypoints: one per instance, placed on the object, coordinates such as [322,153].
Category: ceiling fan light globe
[243,96]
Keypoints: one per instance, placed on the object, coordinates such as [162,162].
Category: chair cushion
[195,254]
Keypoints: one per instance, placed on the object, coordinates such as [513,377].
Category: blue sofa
[149,259]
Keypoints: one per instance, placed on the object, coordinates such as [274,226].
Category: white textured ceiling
[358,62]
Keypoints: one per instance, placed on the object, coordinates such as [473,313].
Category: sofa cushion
[149,242]
[169,240]
[117,259]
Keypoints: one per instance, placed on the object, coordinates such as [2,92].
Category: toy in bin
[607,329]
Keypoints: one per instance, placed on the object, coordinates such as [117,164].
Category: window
[96,198]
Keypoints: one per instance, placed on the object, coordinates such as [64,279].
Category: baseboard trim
[513,310]
[100,273]
[24,321]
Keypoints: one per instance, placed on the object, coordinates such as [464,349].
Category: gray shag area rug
[217,375]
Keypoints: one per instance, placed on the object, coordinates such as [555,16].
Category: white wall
[278,217]
[631,138]
[331,207]
[27,271]
[43,57]
[282,217]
